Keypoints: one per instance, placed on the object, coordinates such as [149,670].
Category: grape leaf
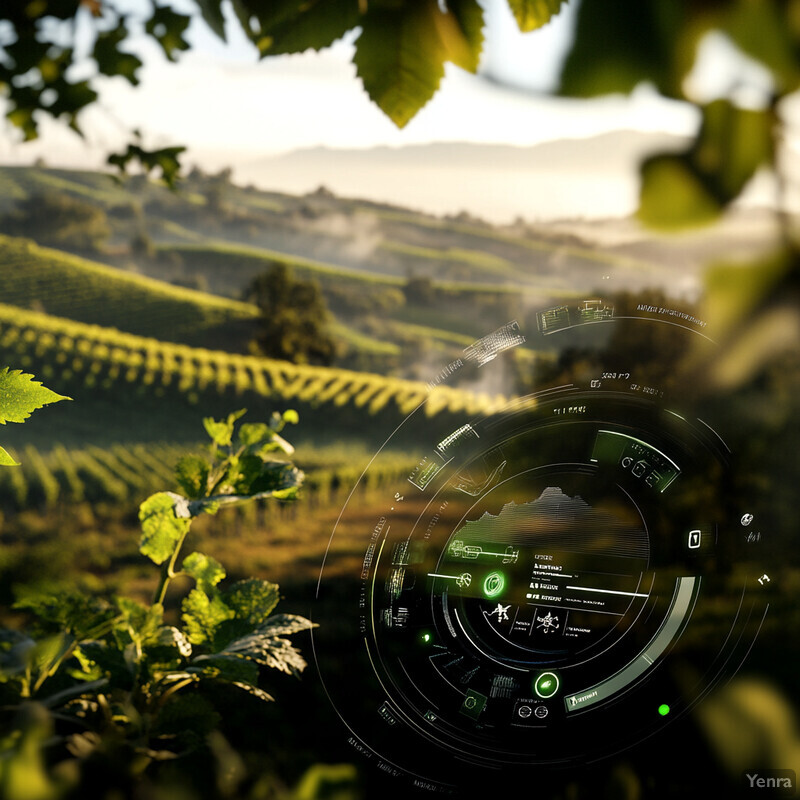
[269,651]
[111,60]
[614,52]
[221,431]
[692,188]
[211,12]
[264,646]
[462,33]
[161,528]
[400,58]
[21,395]
[318,24]
[165,159]
[206,571]
[167,28]
[202,615]
[6,460]
[285,624]
[191,472]
[226,667]
[533,14]
[252,600]
[673,196]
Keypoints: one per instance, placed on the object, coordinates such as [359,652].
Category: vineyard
[76,288]
[108,371]
[124,474]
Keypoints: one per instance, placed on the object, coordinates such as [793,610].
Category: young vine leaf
[20,396]
[162,529]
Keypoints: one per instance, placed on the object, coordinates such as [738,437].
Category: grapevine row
[65,354]
[125,474]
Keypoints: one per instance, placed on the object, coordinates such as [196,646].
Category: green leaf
[202,615]
[284,625]
[252,600]
[221,431]
[110,60]
[673,196]
[533,14]
[166,160]
[253,434]
[266,647]
[462,33]
[46,654]
[619,46]
[171,637]
[693,188]
[400,57]
[318,24]
[206,571]
[161,528]
[56,611]
[191,473]
[6,460]
[244,473]
[187,717]
[255,691]
[290,416]
[110,661]
[211,11]
[20,396]
[167,28]
[226,667]
[139,625]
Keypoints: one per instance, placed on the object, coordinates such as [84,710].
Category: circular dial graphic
[522,597]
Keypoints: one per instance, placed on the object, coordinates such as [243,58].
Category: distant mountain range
[590,177]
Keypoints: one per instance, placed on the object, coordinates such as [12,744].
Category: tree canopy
[294,318]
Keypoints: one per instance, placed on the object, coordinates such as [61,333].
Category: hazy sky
[230,108]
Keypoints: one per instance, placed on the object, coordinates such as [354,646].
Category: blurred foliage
[400,55]
[100,688]
[294,317]
[58,220]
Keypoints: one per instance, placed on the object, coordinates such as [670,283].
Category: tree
[293,317]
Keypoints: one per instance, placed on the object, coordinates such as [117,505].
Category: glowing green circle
[494,583]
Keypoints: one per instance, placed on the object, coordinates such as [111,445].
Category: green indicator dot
[663,709]
[426,638]
[546,685]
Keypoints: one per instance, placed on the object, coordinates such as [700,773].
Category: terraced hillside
[121,383]
[68,286]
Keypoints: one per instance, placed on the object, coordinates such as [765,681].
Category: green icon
[546,685]
[663,709]
[494,584]
[426,638]
[473,705]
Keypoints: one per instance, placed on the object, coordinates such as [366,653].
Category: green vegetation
[294,318]
[125,378]
[88,292]
[121,686]
[400,57]
[59,220]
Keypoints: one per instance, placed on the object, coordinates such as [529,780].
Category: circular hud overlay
[523,597]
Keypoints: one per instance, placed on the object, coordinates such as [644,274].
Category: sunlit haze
[232,110]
